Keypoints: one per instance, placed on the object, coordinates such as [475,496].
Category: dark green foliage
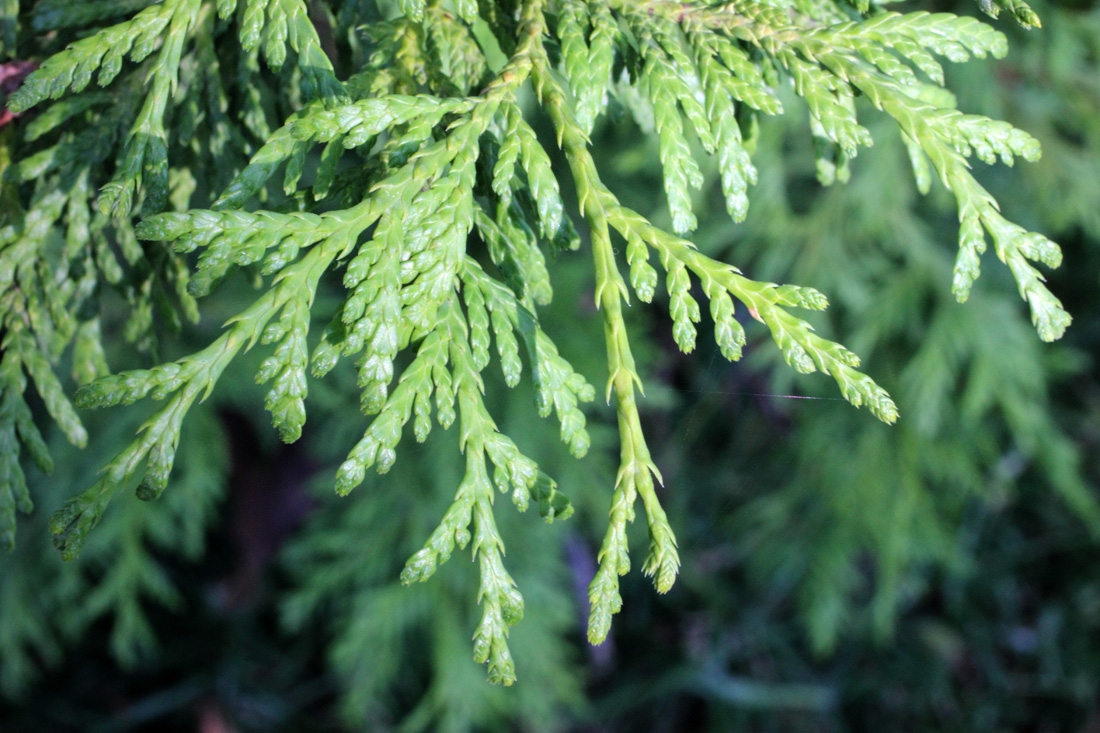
[48,603]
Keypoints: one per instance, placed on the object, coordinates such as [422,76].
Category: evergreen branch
[572,32]
[1019,10]
[238,238]
[17,431]
[279,147]
[504,170]
[946,136]
[684,80]
[60,112]
[601,57]
[413,390]
[460,64]
[47,385]
[643,278]
[182,383]
[145,159]
[663,82]
[361,121]
[803,350]
[745,82]
[637,469]
[372,314]
[52,15]
[502,605]
[558,387]
[501,602]
[514,249]
[827,102]
[734,163]
[74,67]
[544,184]
[288,22]
[441,147]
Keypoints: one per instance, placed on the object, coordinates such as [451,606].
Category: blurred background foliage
[838,574]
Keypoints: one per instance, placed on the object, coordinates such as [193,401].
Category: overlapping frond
[426,186]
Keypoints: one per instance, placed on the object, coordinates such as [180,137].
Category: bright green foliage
[416,177]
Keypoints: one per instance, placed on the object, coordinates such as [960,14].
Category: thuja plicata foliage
[406,156]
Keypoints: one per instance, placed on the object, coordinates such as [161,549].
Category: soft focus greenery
[836,573]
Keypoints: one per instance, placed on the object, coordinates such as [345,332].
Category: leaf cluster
[417,178]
